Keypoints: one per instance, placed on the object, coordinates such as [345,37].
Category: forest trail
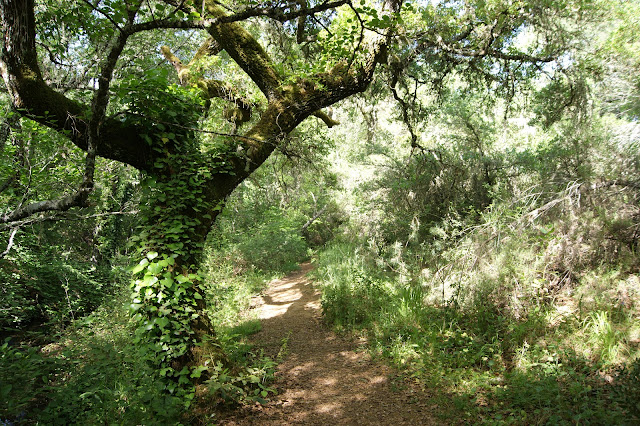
[323,379]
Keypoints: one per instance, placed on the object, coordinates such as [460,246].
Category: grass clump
[353,295]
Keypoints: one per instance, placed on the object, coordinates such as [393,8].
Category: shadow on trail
[323,379]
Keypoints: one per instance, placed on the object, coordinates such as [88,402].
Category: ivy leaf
[140,266]
[182,279]
[162,322]
[149,281]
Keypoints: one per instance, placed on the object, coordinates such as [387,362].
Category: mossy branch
[211,88]
[330,122]
[246,52]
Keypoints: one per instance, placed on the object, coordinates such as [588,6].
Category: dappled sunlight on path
[323,379]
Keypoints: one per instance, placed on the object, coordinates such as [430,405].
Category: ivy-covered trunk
[183,199]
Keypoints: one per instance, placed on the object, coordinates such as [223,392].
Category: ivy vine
[167,298]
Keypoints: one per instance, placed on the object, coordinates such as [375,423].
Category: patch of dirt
[324,379]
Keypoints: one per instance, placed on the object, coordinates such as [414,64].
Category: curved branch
[78,199]
[245,51]
[328,120]
[33,98]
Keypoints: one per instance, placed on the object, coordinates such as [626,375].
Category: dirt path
[323,378]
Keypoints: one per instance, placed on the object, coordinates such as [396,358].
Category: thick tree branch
[74,200]
[294,103]
[33,98]
[300,24]
[246,52]
[16,72]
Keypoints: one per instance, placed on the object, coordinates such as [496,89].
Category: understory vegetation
[81,365]
[514,294]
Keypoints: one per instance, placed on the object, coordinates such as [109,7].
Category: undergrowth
[93,373]
[518,320]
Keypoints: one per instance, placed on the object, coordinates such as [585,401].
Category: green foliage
[147,97]
[59,266]
[113,386]
[276,241]
[46,281]
[25,378]
[229,288]
[169,293]
[628,389]
[164,306]
[351,296]
[251,384]
[261,226]
[91,375]
[97,373]
[54,292]
[497,261]
[489,364]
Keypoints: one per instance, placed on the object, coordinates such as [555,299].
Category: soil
[323,378]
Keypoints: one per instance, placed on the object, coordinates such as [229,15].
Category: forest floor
[323,378]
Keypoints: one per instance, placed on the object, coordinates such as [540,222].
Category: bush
[91,376]
[351,294]
[26,377]
[54,291]
[275,243]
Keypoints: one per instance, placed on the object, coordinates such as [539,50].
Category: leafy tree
[320,52]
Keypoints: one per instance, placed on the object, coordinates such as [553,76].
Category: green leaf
[197,371]
[148,281]
[140,266]
[162,322]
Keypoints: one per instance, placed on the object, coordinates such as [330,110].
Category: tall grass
[528,317]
